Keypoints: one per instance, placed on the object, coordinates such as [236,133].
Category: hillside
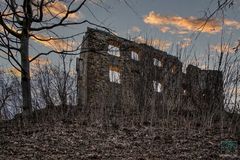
[70,140]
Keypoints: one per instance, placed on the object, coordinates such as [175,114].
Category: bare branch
[68,24]
[12,32]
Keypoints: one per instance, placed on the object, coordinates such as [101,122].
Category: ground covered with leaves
[74,141]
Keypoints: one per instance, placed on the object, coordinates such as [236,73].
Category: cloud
[140,39]
[156,43]
[53,8]
[232,23]
[56,44]
[172,30]
[161,44]
[185,42]
[13,71]
[165,29]
[181,24]
[135,29]
[37,63]
[179,32]
[59,9]
[225,48]
[40,61]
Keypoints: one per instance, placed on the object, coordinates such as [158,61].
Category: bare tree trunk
[25,75]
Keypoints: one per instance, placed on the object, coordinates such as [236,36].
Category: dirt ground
[74,141]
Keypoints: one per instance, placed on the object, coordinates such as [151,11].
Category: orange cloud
[164,29]
[184,25]
[161,44]
[232,23]
[59,9]
[225,48]
[40,61]
[13,71]
[56,8]
[183,44]
[156,43]
[12,27]
[56,44]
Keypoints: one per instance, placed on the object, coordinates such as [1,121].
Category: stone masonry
[122,80]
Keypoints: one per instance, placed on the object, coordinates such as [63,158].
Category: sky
[166,24]
[174,23]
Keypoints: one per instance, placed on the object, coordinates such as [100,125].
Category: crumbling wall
[204,89]
[136,96]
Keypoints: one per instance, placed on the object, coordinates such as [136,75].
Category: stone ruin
[118,79]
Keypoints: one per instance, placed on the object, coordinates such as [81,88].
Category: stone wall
[205,89]
[149,87]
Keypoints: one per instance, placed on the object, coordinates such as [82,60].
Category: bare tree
[40,20]
[55,84]
[5,90]
[9,95]
[43,93]
[62,80]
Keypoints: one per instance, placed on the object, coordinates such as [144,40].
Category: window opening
[112,50]
[157,62]
[157,86]
[114,75]
[134,56]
